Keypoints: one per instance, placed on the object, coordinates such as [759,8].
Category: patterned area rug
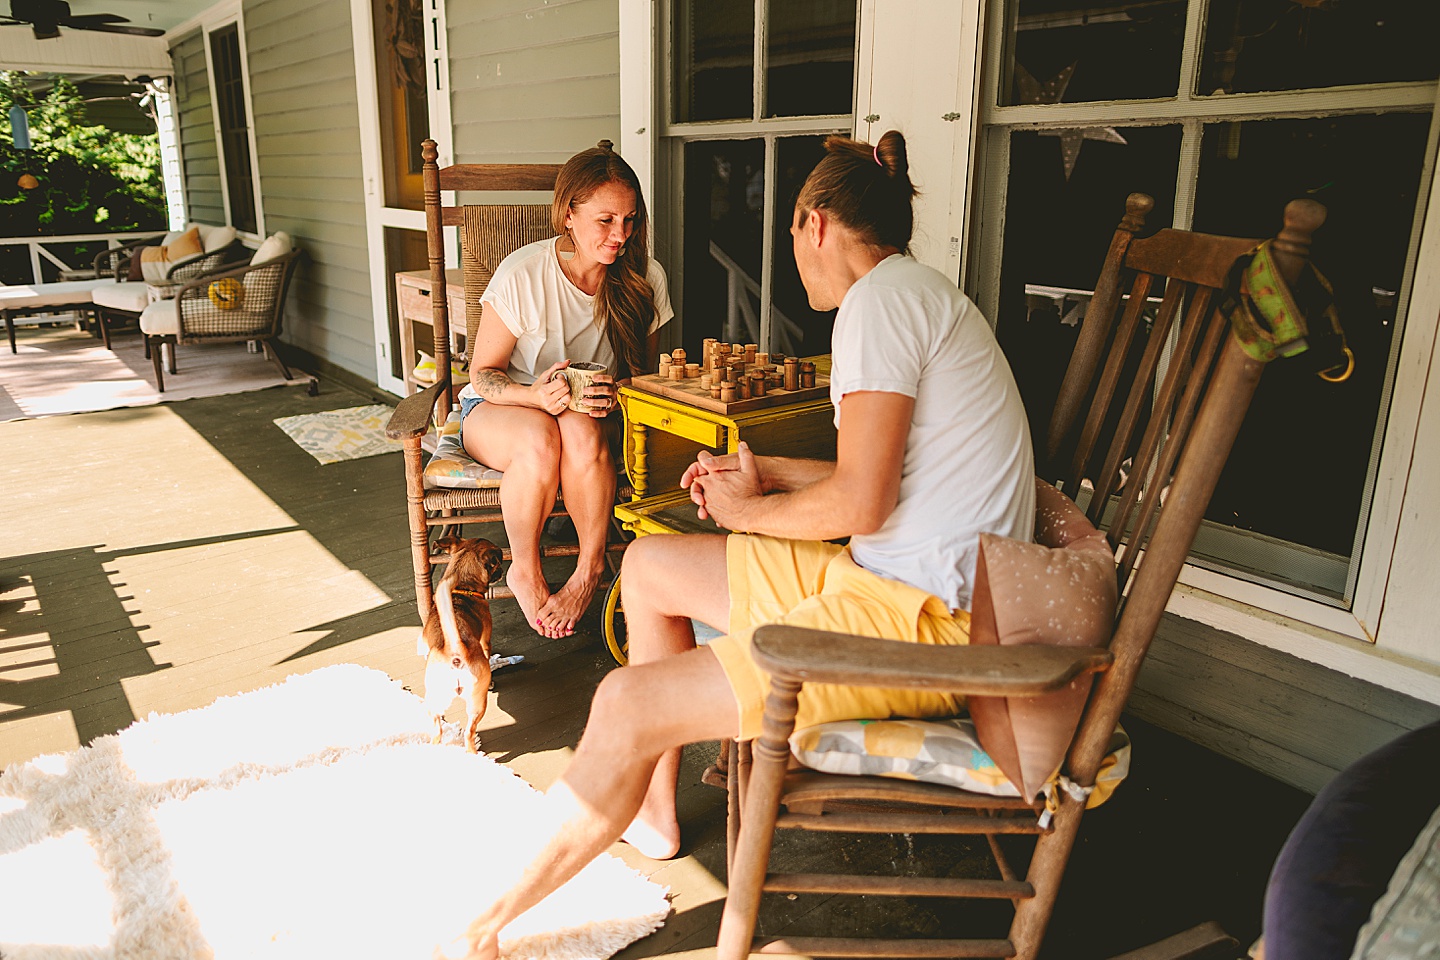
[336,435]
[308,819]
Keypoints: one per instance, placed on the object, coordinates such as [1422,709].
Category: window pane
[1070,51]
[1298,469]
[714,60]
[809,57]
[401,87]
[724,206]
[1056,235]
[229,93]
[795,329]
[1253,45]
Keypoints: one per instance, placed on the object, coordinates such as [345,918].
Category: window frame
[666,145]
[1394,437]
[219,17]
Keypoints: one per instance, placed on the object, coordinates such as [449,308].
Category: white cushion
[216,237]
[161,317]
[132,296]
[275,245]
[25,295]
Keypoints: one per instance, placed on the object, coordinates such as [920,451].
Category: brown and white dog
[456,638]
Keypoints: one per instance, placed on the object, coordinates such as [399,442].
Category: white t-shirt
[553,319]
[969,467]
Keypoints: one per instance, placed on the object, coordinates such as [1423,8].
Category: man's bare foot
[531,592]
[655,844]
[477,943]
[567,605]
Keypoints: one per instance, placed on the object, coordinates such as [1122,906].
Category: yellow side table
[663,437]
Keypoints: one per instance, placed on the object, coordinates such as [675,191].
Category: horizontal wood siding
[1291,719]
[302,89]
[201,162]
[533,82]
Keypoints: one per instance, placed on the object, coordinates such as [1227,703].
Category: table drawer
[414,304]
[660,418]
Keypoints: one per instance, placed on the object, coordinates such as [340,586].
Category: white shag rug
[309,819]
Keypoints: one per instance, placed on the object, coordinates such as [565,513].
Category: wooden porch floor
[153,559]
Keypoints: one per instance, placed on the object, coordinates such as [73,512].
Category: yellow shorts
[817,584]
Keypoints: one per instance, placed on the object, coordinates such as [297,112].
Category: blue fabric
[466,405]
[1339,858]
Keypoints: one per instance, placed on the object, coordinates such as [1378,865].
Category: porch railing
[42,252]
[742,323]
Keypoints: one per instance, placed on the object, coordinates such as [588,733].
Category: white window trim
[378,216]
[222,15]
[651,140]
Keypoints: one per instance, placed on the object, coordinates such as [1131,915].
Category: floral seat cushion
[452,468]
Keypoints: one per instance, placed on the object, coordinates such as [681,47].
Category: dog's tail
[445,606]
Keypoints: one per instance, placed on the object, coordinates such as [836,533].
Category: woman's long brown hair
[624,304]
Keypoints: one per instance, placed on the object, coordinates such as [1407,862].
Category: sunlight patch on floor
[162,482]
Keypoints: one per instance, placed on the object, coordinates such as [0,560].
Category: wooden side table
[413,303]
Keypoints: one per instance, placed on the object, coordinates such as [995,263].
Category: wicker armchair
[125,299]
[115,262]
[230,306]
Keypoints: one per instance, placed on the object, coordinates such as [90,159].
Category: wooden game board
[689,391]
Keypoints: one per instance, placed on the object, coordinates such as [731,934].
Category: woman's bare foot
[531,592]
[567,605]
[656,844]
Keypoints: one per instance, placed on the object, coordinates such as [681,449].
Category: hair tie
[876,153]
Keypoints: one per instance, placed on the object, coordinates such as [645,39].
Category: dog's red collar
[470,593]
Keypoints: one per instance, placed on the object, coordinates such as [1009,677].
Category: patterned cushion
[1405,922]
[452,467]
[936,751]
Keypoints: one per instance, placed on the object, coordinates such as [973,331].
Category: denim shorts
[467,404]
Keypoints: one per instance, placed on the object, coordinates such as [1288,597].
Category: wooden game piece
[715,390]
[692,370]
[677,371]
[792,373]
[678,356]
[744,386]
[762,359]
[757,384]
[707,351]
[723,349]
[705,381]
[750,350]
[807,374]
[665,366]
[727,392]
[666,359]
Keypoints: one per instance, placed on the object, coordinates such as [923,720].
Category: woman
[592,293]
[932,450]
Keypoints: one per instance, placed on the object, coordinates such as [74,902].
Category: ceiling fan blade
[84,21]
[123,28]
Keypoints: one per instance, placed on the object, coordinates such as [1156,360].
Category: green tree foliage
[91,179]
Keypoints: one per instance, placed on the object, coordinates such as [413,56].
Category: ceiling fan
[46,17]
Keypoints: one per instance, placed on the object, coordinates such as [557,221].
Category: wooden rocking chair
[489,233]
[1192,423]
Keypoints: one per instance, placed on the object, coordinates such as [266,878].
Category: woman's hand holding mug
[551,391]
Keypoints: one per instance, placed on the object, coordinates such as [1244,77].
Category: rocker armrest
[412,415]
[113,255]
[819,656]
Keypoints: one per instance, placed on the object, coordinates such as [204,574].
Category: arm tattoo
[490,383]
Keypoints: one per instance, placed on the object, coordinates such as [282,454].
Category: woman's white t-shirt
[551,318]
[969,467]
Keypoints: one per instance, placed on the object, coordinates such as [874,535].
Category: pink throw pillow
[1059,591]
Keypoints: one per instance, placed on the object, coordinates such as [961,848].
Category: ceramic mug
[579,375]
